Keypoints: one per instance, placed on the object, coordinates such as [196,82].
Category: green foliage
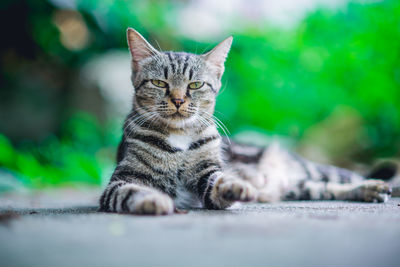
[83,154]
[334,72]
[286,81]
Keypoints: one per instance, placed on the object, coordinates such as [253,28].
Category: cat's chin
[179,122]
[177,116]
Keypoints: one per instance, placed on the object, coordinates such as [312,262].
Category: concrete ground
[63,228]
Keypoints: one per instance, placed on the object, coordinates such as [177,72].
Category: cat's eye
[195,85]
[159,83]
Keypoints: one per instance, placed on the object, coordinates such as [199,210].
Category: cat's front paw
[237,190]
[373,191]
[153,204]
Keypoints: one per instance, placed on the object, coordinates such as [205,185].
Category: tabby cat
[172,156]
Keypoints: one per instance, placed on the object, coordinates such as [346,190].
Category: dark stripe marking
[169,54]
[344,175]
[171,186]
[155,141]
[184,68]
[204,183]
[202,142]
[179,60]
[323,170]
[207,196]
[102,199]
[236,157]
[146,178]
[187,58]
[166,73]
[179,174]
[145,163]
[205,164]
[123,172]
[124,206]
[121,150]
[305,193]
[109,194]
[302,164]
[212,88]
[115,202]
[290,195]
[141,84]
[190,74]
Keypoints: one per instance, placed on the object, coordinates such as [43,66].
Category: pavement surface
[63,228]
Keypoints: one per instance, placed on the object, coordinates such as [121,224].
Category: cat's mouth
[177,114]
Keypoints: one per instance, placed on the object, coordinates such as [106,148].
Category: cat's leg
[342,184]
[365,191]
[123,197]
[125,194]
[220,189]
[228,189]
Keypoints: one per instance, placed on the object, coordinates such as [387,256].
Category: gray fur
[281,175]
[171,154]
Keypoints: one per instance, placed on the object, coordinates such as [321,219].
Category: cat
[172,156]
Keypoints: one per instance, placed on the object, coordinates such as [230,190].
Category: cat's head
[175,88]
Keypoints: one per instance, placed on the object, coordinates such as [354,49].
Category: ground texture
[63,228]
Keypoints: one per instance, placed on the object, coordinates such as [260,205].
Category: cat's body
[171,160]
[172,155]
[279,174]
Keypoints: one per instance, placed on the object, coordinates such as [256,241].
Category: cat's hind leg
[364,191]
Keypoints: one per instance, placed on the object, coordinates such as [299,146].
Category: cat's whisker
[159,47]
[205,49]
[141,118]
[219,123]
[221,91]
[203,121]
[148,118]
[133,120]
[138,120]
[144,119]
[154,119]
[222,124]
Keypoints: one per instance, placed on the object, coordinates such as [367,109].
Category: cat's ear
[217,56]
[140,49]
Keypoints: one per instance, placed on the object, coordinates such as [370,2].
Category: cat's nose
[177,102]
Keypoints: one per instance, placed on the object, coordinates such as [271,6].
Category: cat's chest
[179,141]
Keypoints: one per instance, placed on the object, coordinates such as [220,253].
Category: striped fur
[281,175]
[171,154]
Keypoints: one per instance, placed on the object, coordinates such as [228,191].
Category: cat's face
[176,89]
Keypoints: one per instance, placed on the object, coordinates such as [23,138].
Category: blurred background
[320,76]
